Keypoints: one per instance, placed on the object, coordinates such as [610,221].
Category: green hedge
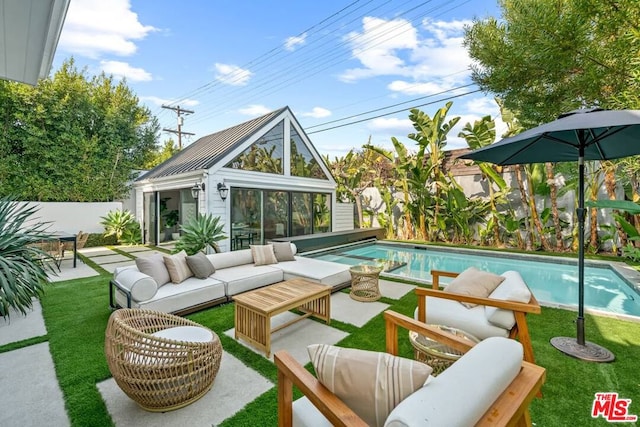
[98,239]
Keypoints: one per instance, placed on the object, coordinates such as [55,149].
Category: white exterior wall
[72,217]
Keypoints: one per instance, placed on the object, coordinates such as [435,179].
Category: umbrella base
[589,351]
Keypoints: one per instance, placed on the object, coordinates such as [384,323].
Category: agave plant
[23,264]
[118,222]
[200,233]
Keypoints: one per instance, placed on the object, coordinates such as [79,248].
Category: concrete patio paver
[358,313]
[18,327]
[32,395]
[235,386]
[394,290]
[130,249]
[96,251]
[109,259]
[112,267]
[295,338]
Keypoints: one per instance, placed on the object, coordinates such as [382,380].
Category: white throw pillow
[370,383]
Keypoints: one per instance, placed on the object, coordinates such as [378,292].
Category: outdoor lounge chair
[161,361]
[503,313]
[490,385]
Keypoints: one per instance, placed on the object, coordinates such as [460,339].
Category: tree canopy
[546,57]
[72,137]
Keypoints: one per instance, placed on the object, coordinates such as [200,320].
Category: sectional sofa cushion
[153,265]
[178,268]
[316,270]
[474,282]
[168,299]
[243,278]
[370,383]
[283,251]
[200,265]
[263,254]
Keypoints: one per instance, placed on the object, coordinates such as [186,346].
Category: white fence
[71,217]
[343,217]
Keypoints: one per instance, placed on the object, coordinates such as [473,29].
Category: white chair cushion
[141,286]
[465,391]
[185,333]
[512,289]
[441,311]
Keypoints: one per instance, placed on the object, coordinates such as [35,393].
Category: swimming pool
[554,281]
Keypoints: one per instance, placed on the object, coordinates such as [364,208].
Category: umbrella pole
[580,213]
[579,348]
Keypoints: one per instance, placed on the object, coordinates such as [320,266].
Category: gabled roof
[206,151]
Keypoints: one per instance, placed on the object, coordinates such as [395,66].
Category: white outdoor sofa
[235,272]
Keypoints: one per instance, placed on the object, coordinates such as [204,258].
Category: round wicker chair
[161,361]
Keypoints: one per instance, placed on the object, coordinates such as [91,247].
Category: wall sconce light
[223,190]
[195,190]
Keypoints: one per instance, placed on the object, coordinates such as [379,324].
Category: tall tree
[546,57]
[71,137]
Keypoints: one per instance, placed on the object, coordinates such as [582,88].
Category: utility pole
[179,111]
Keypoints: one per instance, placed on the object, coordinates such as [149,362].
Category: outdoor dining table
[67,237]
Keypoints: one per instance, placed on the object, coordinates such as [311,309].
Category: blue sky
[230,61]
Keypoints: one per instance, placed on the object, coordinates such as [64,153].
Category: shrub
[23,264]
[200,233]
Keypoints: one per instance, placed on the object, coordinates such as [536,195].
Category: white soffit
[29,33]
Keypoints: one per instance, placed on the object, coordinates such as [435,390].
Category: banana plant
[633,235]
[481,134]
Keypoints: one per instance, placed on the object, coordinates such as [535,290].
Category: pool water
[553,282]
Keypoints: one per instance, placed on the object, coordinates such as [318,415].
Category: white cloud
[255,110]
[292,42]
[96,27]
[232,74]
[378,48]
[163,101]
[392,125]
[122,69]
[317,113]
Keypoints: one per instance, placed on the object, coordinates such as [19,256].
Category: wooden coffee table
[254,309]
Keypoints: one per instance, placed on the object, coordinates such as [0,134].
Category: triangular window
[302,161]
[264,155]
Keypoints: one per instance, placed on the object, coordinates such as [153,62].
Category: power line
[394,112]
[320,63]
[391,106]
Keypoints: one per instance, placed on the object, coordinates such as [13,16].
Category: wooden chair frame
[510,409]
[520,330]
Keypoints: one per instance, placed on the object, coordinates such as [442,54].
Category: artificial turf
[76,314]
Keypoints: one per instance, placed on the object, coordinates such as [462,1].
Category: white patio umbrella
[588,134]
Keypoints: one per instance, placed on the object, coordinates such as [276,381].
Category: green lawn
[76,314]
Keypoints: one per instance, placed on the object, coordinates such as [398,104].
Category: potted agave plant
[23,263]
